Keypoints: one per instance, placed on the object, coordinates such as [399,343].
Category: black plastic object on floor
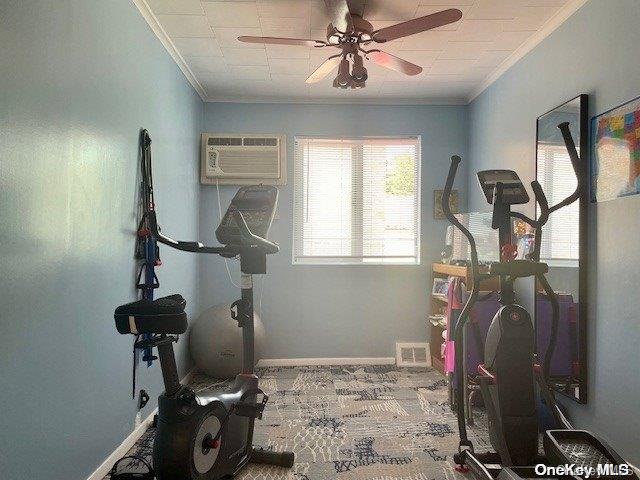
[148,475]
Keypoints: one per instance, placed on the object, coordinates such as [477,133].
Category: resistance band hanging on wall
[147,250]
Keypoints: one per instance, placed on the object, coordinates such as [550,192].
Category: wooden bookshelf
[439,306]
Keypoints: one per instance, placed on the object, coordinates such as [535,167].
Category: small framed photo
[438,213]
[440,287]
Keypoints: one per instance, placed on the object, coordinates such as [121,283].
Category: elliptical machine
[207,435]
[511,371]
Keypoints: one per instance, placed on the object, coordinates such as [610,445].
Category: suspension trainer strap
[147,251]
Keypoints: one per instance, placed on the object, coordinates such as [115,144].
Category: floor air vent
[413,355]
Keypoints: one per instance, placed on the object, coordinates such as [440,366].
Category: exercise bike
[510,372]
[207,435]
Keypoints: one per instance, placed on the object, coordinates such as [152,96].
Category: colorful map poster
[615,155]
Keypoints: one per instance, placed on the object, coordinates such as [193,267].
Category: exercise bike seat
[164,315]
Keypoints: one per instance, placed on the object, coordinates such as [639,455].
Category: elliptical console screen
[257,203]
[513,191]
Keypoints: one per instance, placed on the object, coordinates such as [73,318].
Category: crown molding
[156,27]
[547,29]
[341,101]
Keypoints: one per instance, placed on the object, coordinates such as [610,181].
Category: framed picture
[440,287]
[438,213]
[615,152]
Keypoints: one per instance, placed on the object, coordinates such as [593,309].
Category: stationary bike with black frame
[510,372]
[207,435]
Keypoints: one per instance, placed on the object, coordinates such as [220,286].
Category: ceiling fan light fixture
[359,71]
[343,79]
[338,85]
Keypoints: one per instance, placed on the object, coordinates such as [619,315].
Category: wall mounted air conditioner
[243,159]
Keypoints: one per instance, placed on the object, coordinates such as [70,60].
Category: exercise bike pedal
[251,409]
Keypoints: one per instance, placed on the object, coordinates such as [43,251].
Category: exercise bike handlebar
[195,247]
[248,239]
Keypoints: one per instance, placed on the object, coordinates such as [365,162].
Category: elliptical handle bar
[540,197]
[571,146]
[446,208]
[463,318]
[575,163]
[543,203]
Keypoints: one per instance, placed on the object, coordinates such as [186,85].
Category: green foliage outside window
[402,180]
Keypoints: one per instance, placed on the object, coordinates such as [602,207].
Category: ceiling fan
[349,32]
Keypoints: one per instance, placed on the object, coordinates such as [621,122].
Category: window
[561,235]
[357,201]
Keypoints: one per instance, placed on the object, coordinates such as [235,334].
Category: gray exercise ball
[215,342]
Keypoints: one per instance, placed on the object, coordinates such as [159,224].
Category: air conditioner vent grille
[255,164]
[260,142]
[222,141]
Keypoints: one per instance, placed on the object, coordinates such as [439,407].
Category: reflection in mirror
[562,249]
[487,243]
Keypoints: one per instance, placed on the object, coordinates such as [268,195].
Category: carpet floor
[354,423]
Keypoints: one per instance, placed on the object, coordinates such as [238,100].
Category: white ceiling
[458,59]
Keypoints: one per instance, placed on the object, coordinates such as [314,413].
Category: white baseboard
[124,447]
[303,362]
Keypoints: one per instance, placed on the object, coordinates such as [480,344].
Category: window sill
[351,264]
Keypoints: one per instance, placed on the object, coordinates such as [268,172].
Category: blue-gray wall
[338,311]
[590,53]
[78,79]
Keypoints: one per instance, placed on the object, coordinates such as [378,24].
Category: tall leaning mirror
[564,248]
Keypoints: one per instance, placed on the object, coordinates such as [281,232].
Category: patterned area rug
[354,423]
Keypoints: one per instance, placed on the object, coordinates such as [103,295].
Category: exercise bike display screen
[257,203]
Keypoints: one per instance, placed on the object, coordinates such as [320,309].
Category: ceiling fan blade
[325,69]
[392,62]
[283,41]
[340,15]
[417,25]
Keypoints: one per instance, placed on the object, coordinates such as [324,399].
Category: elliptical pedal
[585,450]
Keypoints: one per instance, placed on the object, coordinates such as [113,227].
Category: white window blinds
[357,200]
[561,235]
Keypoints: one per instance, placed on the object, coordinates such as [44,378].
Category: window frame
[380,260]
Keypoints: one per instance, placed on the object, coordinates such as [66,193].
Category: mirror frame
[583,144]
